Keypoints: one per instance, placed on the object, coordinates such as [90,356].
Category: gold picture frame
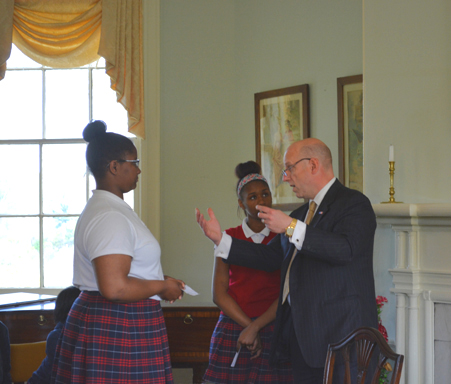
[281,118]
[350,130]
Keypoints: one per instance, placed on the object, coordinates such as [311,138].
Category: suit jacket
[331,278]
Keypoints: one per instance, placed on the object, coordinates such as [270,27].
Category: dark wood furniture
[10,300]
[189,333]
[28,316]
[189,330]
[369,346]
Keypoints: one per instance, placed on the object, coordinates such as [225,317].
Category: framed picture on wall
[350,131]
[281,118]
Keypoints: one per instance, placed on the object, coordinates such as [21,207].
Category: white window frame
[41,142]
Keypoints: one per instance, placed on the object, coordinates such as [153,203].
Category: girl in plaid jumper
[247,298]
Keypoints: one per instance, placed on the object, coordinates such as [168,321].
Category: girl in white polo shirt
[115,331]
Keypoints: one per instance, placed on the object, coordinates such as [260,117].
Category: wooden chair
[25,359]
[364,340]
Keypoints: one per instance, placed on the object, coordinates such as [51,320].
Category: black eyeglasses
[285,171]
[136,162]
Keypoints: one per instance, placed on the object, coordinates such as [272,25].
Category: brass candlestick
[391,169]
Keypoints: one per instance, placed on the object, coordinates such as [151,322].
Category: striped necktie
[286,284]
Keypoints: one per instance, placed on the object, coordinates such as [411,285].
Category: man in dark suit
[330,287]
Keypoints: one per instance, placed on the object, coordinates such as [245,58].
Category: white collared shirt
[223,249]
[256,237]
[299,230]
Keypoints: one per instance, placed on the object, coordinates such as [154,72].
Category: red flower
[380,301]
[383,331]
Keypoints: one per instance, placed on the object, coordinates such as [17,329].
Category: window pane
[67,106]
[92,184]
[58,251]
[64,178]
[19,60]
[19,182]
[104,104]
[129,199]
[96,64]
[100,63]
[19,256]
[38,103]
[21,105]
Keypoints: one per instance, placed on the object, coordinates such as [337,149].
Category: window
[44,183]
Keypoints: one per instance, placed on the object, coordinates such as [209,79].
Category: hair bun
[93,130]
[244,169]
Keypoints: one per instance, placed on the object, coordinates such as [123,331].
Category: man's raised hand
[274,219]
[210,228]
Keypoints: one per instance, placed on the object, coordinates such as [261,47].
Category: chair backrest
[25,359]
[364,340]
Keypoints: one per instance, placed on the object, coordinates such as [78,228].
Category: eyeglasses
[136,162]
[285,171]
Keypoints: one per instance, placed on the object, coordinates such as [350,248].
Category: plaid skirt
[107,342]
[222,352]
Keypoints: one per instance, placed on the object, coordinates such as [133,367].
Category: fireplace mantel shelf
[413,214]
[421,277]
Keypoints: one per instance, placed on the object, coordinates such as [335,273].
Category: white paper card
[235,358]
[190,291]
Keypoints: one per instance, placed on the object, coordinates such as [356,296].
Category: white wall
[407,80]
[215,55]
[198,132]
[407,93]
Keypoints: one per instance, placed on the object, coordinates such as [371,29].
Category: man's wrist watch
[290,229]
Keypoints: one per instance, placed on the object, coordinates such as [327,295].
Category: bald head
[308,177]
[312,147]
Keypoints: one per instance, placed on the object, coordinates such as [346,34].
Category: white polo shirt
[108,226]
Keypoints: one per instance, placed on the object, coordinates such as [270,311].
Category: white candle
[391,153]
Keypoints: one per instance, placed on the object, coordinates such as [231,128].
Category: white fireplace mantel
[421,278]
[414,214]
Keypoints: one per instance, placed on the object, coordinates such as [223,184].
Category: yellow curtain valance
[57,33]
[55,37]
[67,33]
